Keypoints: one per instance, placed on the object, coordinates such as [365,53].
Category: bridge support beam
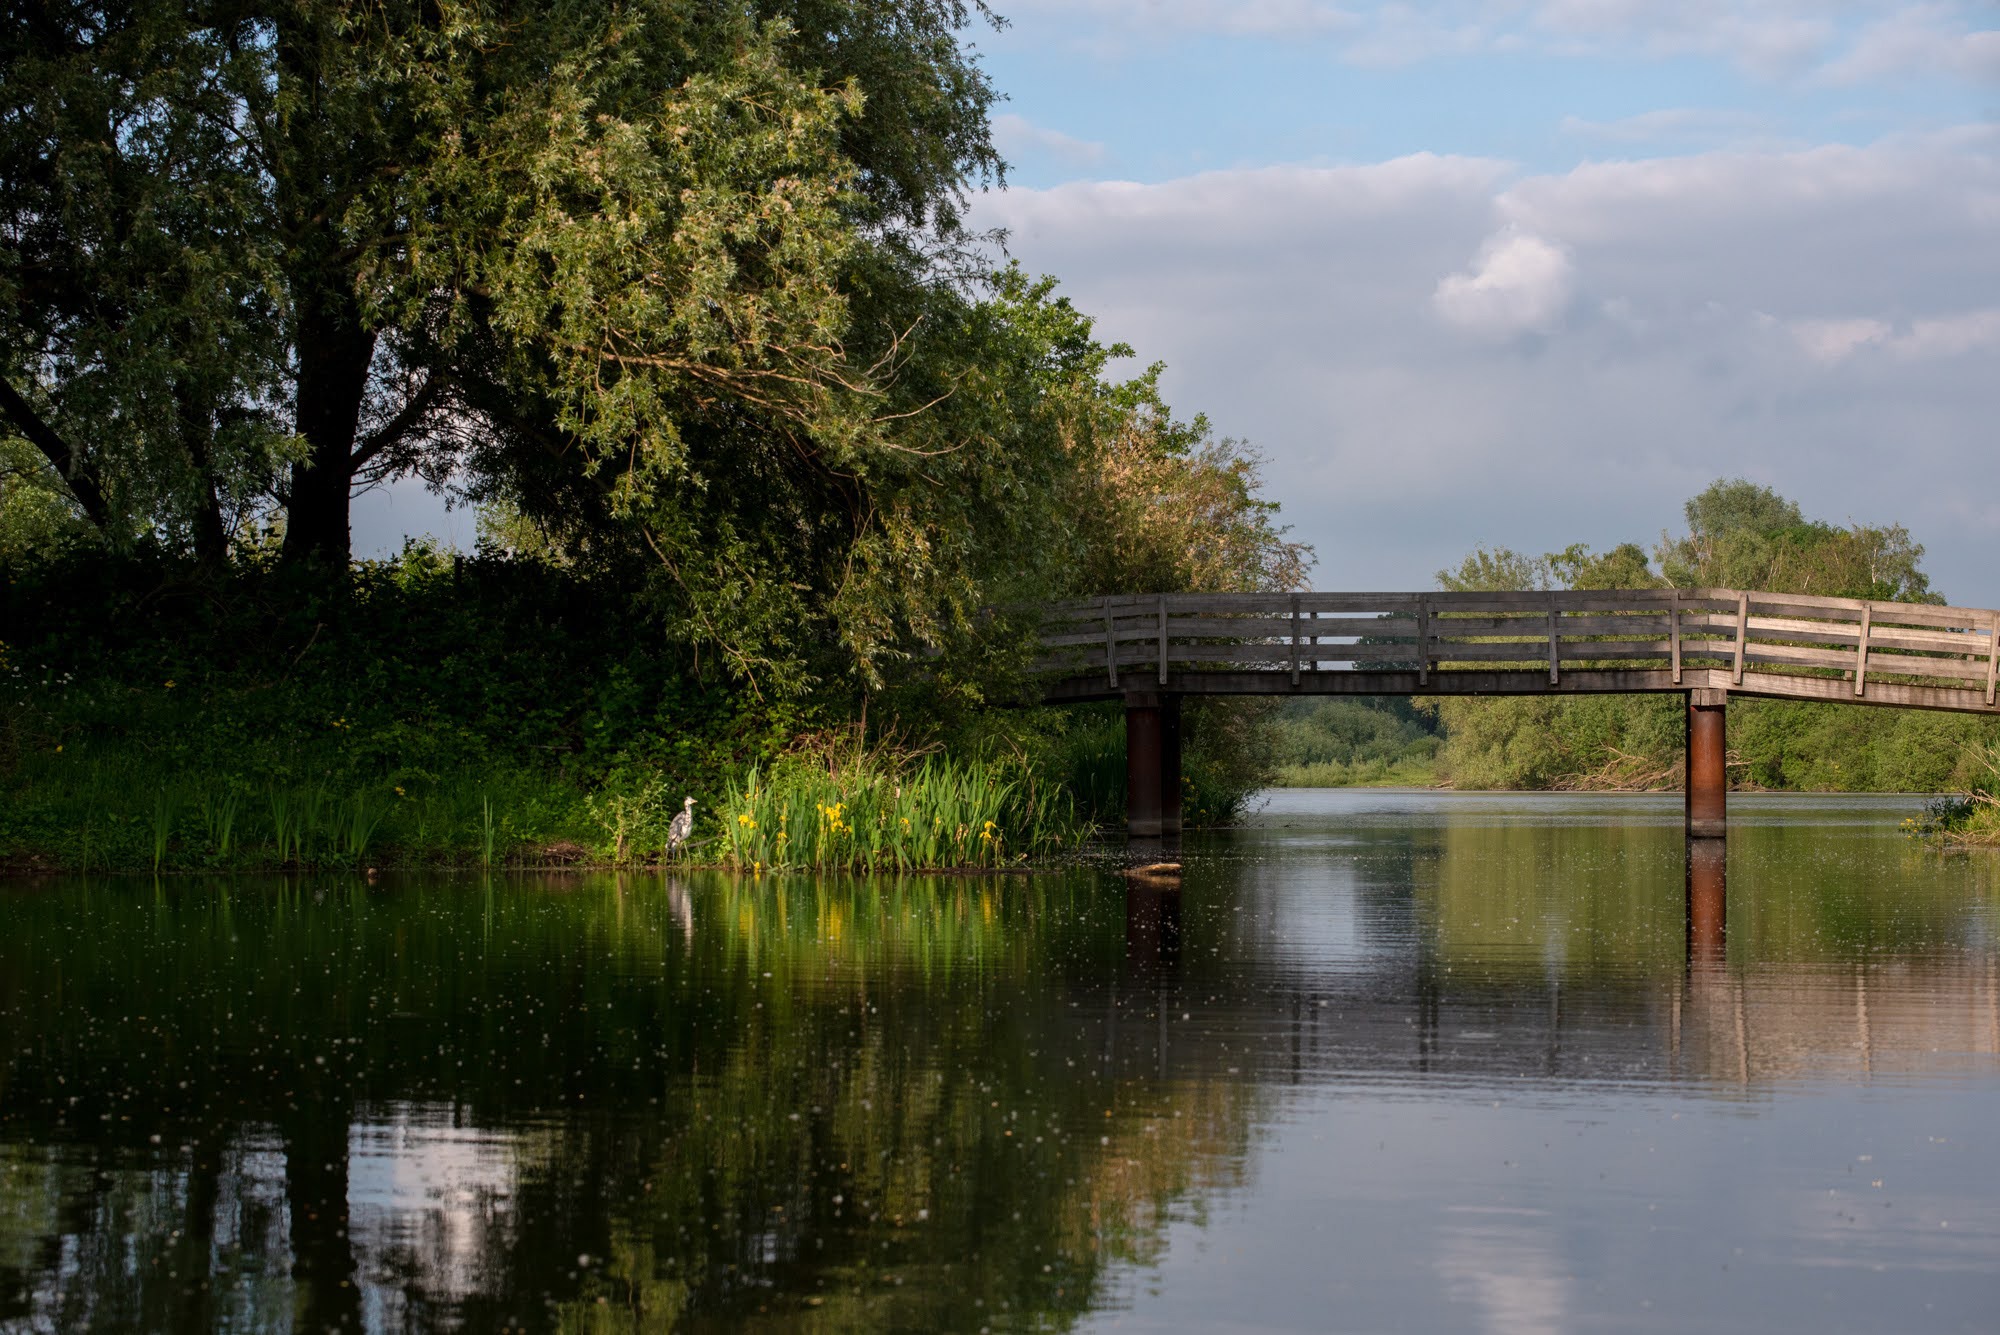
[1152,765]
[1707,764]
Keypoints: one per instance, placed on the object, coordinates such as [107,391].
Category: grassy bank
[429,710]
[1969,818]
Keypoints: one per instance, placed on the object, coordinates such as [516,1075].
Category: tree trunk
[328,1296]
[334,349]
[330,337]
[211,537]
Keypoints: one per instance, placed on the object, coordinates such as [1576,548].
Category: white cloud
[1848,41]
[1670,124]
[1519,284]
[1831,342]
[1921,42]
[1261,18]
[1017,137]
[1768,37]
[1782,315]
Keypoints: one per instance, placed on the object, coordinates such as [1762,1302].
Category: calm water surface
[1384,1061]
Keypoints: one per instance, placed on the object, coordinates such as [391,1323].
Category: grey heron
[682,826]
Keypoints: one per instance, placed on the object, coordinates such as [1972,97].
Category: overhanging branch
[82,483]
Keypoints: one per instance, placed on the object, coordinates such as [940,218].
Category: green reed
[871,815]
[218,818]
[160,820]
[360,816]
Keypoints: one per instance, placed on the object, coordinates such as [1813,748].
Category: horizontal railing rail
[1753,639]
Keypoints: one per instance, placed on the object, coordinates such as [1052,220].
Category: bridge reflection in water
[911,1104]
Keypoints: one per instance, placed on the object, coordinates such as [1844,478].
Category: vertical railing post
[1993,658]
[1423,640]
[1742,633]
[1110,644]
[1674,633]
[1163,639]
[1861,649]
[1295,639]
[1555,672]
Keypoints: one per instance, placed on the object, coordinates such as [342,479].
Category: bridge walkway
[1152,650]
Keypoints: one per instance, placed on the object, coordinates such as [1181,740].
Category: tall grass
[160,822]
[123,811]
[874,814]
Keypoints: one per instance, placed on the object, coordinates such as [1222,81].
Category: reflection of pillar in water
[1707,918]
[1170,768]
[1152,920]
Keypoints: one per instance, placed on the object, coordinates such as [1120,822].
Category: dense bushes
[436,705]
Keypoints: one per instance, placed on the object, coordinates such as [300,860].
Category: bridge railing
[1736,632]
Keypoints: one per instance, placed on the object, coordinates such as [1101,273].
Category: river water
[1381,1061]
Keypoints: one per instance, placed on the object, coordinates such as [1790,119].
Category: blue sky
[1149,90]
[1525,272]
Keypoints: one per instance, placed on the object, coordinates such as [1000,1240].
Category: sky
[1525,272]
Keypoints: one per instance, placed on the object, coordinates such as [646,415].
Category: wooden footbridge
[1150,650]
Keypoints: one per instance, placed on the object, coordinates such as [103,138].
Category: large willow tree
[682,286]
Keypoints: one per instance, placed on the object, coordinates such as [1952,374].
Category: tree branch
[68,464]
[401,424]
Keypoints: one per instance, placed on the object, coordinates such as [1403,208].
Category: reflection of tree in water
[838,1104]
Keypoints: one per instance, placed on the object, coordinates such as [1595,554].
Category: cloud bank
[1437,352]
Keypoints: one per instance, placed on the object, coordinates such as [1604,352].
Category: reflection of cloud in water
[423,1198]
[1501,1261]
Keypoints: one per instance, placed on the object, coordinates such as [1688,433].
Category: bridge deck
[1787,646]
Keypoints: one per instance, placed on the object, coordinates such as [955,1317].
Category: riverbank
[440,711]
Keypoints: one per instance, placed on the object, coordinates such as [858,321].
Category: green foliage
[1970,815]
[1574,567]
[36,512]
[1336,742]
[1562,742]
[1742,536]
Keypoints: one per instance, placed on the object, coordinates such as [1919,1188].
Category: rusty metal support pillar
[1143,757]
[1170,766]
[1707,765]
[1707,901]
